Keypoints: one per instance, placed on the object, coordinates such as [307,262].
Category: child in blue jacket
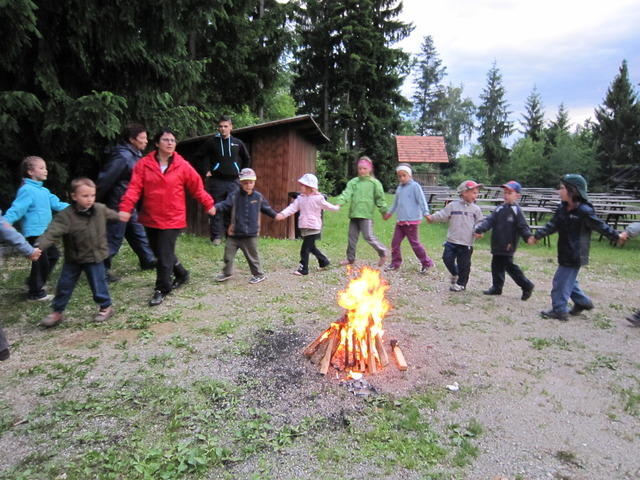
[32,207]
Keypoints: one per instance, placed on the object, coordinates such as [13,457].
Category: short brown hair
[79,182]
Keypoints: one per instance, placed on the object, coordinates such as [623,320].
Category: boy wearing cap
[574,220]
[506,223]
[245,206]
[310,203]
[410,206]
[462,215]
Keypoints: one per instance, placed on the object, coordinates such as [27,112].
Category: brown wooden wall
[279,157]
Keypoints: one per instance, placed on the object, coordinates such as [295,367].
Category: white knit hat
[309,180]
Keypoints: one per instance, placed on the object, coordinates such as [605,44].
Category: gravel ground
[556,411]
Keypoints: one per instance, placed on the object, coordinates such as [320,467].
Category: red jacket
[163,194]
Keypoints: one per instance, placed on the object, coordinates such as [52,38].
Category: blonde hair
[27,164]
[76,183]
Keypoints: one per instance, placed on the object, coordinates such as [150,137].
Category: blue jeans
[134,232]
[565,285]
[457,259]
[69,278]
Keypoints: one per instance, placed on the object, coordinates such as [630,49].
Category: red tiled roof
[414,149]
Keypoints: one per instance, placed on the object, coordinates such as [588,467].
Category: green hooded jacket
[365,195]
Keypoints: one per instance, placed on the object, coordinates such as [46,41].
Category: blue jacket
[574,229]
[507,222]
[114,178]
[245,212]
[32,207]
[409,204]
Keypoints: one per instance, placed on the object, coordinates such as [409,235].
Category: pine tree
[558,128]
[533,118]
[618,125]
[457,120]
[429,99]
[494,120]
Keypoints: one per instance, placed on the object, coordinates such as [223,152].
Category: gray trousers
[249,246]
[364,226]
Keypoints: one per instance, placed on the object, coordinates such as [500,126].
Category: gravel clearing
[556,400]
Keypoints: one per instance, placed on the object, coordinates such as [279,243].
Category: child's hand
[279,217]
[386,216]
[429,218]
[532,240]
[124,216]
[477,235]
[35,255]
[624,236]
[212,211]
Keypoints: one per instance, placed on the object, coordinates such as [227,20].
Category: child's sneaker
[425,269]
[222,277]
[391,268]
[456,287]
[257,279]
[346,262]
[104,314]
[41,298]
[324,265]
[51,320]
[634,319]
[299,272]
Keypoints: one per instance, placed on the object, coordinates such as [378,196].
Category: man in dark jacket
[506,223]
[112,182]
[222,157]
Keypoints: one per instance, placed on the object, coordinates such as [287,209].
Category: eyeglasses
[168,140]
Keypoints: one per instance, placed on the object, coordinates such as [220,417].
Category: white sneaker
[456,288]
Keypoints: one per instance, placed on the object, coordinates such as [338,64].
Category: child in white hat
[310,203]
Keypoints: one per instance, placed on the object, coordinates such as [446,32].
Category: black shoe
[553,314]
[634,319]
[148,265]
[578,309]
[178,282]
[157,299]
[4,354]
[526,293]
[492,291]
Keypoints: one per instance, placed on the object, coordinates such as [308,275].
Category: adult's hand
[212,211]
[124,216]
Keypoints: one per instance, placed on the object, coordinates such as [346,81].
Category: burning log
[402,363]
[354,342]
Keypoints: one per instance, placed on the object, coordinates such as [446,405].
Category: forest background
[73,72]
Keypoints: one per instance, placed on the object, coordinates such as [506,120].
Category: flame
[361,329]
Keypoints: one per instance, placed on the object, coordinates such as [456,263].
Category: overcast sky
[570,50]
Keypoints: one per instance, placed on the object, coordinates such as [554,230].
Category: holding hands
[35,255]
[280,217]
[212,211]
[532,240]
[386,216]
[124,216]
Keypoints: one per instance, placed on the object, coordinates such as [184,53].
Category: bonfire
[355,341]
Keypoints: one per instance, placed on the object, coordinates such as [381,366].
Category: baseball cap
[468,185]
[513,185]
[578,182]
[247,174]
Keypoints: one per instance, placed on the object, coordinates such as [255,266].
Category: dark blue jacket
[114,178]
[224,158]
[245,212]
[507,222]
[574,229]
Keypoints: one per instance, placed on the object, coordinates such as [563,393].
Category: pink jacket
[310,208]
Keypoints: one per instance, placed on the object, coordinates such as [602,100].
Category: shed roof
[415,149]
[305,125]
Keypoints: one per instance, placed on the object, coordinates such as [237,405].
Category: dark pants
[457,259]
[220,189]
[134,232]
[163,244]
[309,246]
[4,345]
[504,263]
[40,269]
[69,276]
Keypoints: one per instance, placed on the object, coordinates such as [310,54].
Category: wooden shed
[418,149]
[281,152]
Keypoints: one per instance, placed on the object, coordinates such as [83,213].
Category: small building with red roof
[416,149]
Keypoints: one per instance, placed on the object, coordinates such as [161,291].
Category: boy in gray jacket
[462,215]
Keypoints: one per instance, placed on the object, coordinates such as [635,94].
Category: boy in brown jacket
[83,229]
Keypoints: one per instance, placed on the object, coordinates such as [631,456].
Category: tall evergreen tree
[349,74]
[533,119]
[494,120]
[429,99]
[457,120]
[558,128]
[618,125]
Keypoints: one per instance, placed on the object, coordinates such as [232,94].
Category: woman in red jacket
[160,180]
